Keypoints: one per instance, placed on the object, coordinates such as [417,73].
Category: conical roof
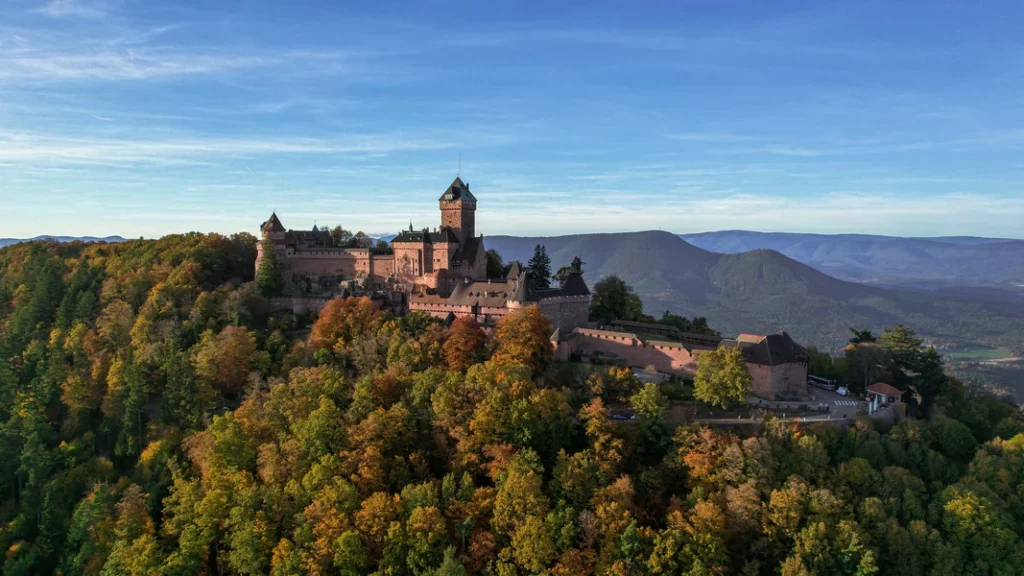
[273,224]
[515,271]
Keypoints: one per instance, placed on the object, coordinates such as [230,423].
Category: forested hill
[764,291]
[886,260]
[155,420]
[9,241]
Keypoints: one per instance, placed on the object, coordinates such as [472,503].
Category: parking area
[838,406]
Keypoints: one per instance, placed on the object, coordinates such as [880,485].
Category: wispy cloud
[73,9]
[133,64]
[49,149]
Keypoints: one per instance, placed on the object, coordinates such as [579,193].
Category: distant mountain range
[9,241]
[884,260]
[764,291]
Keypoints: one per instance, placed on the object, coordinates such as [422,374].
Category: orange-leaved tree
[465,344]
[342,321]
[524,337]
[224,360]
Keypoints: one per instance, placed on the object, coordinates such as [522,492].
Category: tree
[224,360]
[539,267]
[912,366]
[269,275]
[612,298]
[342,321]
[533,545]
[722,377]
[562,274]
[524,337]
[866,362]
[465,344]
[862,336]
[698,325]
[495,265]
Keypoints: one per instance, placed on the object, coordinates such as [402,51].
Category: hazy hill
[764,291]
[886,260]
[9,241]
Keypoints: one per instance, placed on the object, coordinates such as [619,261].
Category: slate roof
[771,350]
[470,249]
[522,289]
[483,293]
[457,191]
[515,271]
[574,285]
[441,236]
[273,224]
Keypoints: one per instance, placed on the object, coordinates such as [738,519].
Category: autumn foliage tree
[465,345]
[524,337]
[410,463]
[722,377]
[341,321]
[224,360]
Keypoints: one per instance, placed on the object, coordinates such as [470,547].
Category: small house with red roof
[882,395]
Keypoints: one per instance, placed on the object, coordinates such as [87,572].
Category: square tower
[458,210]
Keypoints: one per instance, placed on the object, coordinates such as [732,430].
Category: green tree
[269,277]
[612,298]
[539,267]
[698,325]
[862,337]
[495,265]
[533,545]
[722,377]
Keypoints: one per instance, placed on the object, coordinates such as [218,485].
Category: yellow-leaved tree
[722,377]
[524,337]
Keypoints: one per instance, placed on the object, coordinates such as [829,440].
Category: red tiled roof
[885,389]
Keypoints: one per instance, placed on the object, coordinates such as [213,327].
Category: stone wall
[566,313]
[382,266]
[667,357]
[769,382]
[488,316]
[790,380]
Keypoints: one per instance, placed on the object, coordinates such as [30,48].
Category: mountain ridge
[886,260]
[766,291]
[10,241]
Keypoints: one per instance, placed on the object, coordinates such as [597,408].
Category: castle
[442,272]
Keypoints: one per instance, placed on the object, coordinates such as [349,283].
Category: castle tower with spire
[458,210]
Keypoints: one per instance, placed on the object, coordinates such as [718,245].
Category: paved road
[839,406]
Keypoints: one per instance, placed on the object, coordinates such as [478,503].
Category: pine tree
[269,275]
[539,267]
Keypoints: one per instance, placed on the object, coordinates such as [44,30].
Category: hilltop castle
[442,271]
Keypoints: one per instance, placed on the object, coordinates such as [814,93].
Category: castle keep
[440,271]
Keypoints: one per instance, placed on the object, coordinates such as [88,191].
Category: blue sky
[143,118]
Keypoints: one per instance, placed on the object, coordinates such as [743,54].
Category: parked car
[842,391]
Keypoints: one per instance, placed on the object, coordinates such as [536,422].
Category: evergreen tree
[495,265]
[269,275]
[612,298]
[539,267]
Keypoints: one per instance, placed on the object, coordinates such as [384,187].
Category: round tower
[273,234]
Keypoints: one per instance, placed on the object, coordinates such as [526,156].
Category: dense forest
[155,418]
